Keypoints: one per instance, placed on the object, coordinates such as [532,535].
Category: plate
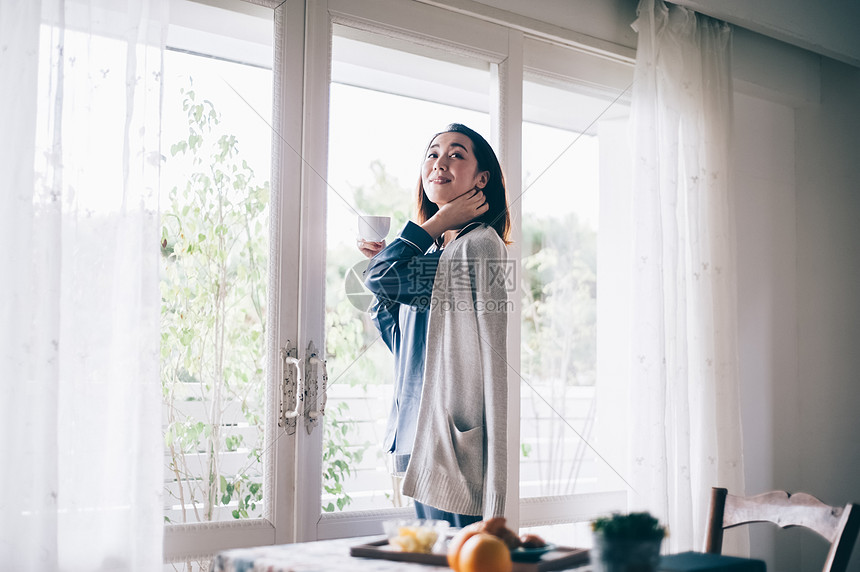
[416,534]
[530,554]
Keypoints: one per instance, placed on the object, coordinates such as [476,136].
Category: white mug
[373,228]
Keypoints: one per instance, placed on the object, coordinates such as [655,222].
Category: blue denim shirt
[401,277]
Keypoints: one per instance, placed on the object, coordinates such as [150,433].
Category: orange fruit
[484,552]
[457,543]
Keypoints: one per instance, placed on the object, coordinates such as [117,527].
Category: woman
[441,301]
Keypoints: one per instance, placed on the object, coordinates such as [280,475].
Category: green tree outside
[214,246]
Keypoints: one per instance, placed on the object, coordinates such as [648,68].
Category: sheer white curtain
[686,434]
[80,439]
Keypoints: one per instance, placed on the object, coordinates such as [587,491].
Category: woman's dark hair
[497,216]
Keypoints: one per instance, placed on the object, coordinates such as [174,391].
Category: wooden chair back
[838,525]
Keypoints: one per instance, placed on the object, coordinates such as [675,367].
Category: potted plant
[627,543]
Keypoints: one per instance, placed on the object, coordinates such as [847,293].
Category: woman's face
[450,168]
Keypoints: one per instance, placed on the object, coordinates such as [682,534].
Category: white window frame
[186,542]
[609,75]
[458,35]
[303,51]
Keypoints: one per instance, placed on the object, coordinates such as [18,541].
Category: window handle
[322,386]
[315,389]
[291,391]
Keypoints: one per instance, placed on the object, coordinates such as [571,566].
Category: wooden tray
[561,558]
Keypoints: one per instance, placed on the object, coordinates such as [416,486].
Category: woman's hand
[456,214]
[370,248]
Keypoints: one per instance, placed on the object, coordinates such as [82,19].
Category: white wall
[764,183]
[797,176]
[826,27]
[828,289]
[766,207]
[798,199]
[607,20]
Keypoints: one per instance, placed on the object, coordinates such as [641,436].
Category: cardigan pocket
[468,449]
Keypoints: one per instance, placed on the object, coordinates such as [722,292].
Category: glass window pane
[384,108]
[214,205]
[563,449]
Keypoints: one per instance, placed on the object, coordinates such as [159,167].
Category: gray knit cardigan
[459,460]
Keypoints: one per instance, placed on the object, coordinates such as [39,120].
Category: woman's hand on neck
[453,216]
